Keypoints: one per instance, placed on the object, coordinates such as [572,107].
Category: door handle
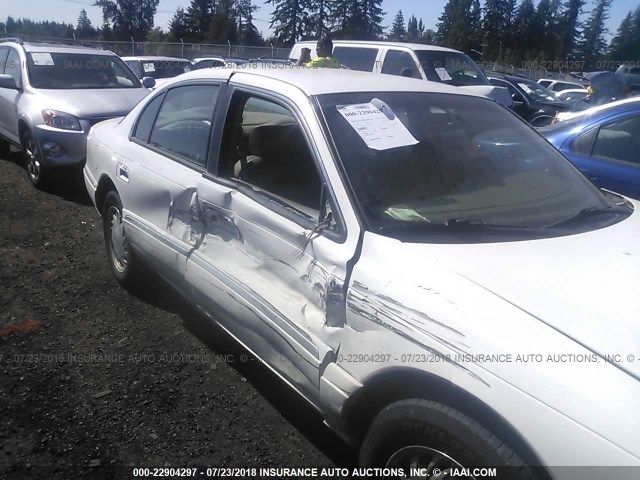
[122,172]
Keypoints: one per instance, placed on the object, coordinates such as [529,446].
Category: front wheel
[33,161]
[437,439]
[123,262]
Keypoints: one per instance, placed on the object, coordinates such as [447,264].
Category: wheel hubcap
[117,240]
[33,164]
[420,462]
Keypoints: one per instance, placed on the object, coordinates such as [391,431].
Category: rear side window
[145,121]
[183,124]
[356,58]
[397,62]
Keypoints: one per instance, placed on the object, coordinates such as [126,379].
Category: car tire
[420,432]
[5,149]
[124,264]
[32,160]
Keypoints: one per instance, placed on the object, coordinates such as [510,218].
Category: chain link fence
[173,49]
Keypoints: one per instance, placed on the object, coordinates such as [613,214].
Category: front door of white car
[272,255]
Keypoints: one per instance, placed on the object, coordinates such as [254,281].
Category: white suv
[427,62]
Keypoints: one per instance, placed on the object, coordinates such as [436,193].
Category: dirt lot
[93,377]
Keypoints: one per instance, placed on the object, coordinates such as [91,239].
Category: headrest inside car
[270,141]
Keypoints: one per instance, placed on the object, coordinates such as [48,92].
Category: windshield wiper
[478,223]
[586,213]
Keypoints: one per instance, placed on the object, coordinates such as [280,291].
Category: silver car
[418,263]
[52,94]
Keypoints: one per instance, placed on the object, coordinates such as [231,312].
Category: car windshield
[425,162]
[162,68]
[452,68]
[537,92]
[61,70]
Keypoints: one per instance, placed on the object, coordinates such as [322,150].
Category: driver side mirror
[7,81]
[148,82]
[516,97]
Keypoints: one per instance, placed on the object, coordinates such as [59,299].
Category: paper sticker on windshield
[443,74]
[42,59]
[377,125]
[148,67]
[525,87]
[405,215]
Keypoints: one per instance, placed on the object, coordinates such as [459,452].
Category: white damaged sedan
[415,261]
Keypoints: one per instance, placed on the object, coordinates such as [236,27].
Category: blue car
[604,143]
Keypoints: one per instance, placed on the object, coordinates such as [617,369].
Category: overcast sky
[68,10]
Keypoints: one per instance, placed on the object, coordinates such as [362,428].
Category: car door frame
[349,240]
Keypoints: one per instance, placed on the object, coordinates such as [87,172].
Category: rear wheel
[124,264]
[33,161]
[438,439]
[5,149]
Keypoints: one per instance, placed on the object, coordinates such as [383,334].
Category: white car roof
[317,81]
[153,58]
[364,43]
[62,48]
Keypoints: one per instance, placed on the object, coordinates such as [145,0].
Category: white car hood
[88,103]
[586,286]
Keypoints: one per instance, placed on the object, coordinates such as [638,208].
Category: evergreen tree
[130,18]
[412,29]
[459,24]
[398,31]
[627,40]
[248,34]
[496,27]
[179,26]
[371,19]
[524,31]
[545,30]
[84,29]
[320,21]
[289,20]
[223,27]
[593,45]
[198,17]
[569,28]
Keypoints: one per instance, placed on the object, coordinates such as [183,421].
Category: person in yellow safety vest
[324,59]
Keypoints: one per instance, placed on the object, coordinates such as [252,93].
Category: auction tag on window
[443,74]
[148,67]
[525,87]
[377,125]
[42,59]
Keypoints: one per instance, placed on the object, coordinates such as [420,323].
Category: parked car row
[407,255]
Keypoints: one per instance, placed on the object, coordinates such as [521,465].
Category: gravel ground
[93,378]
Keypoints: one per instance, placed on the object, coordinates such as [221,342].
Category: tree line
[506,31]
[551,31]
